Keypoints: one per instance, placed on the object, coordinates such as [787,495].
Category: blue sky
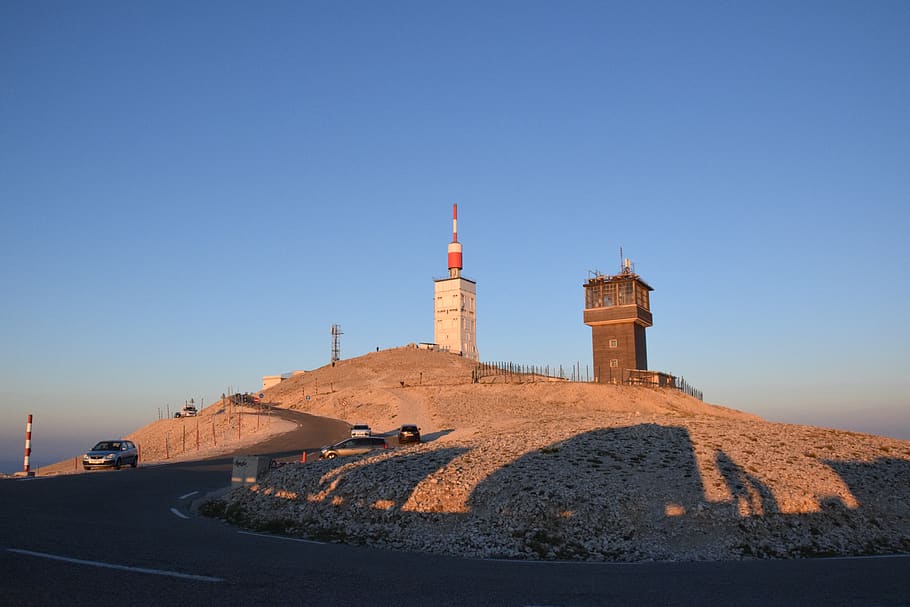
[191,194]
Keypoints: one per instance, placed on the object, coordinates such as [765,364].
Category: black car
[353,446]
[408,433]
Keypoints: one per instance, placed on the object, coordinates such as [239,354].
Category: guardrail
[511,372]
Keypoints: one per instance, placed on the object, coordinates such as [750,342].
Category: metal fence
[511,372]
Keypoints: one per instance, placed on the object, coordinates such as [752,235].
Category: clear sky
[192,193]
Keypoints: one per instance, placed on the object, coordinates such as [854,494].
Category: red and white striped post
[28,444]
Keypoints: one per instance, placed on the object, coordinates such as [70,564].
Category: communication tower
[336,342]
[455,305]
[618,310]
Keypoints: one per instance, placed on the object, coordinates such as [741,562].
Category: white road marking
[589,563]
[66,559]
[178,513]
[281,537]
[186,495]
[865,557]
[640,563]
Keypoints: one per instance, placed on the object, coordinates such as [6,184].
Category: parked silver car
[111,454]
[353,446]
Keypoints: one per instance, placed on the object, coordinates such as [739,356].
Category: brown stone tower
[618,310]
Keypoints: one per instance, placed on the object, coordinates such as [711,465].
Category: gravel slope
[557,470]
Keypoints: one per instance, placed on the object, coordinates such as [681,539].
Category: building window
[614,343]
[641,297]
[614,362]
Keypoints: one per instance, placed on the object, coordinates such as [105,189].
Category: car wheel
[135,462]
[117,465]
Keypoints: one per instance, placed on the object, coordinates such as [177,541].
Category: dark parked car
[353,446]
[111,454]
[409,433]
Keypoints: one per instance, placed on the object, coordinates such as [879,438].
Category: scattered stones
[568,471]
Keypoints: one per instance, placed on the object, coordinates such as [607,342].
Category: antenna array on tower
[336,342]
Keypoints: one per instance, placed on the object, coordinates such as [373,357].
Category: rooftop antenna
[455,259]
[336,343]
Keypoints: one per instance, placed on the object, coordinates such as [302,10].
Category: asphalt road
[129,536]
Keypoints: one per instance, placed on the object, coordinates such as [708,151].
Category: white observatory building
[455,304]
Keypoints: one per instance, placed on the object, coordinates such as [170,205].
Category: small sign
[261,395]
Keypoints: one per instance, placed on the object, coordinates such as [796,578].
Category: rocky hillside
[522,467]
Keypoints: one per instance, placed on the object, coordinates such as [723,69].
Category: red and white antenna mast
[455,262]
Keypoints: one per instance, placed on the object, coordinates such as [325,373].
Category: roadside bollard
[303,457]
[28,445]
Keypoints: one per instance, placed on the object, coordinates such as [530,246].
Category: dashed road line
[178,513]
[186,495]
[66,559]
